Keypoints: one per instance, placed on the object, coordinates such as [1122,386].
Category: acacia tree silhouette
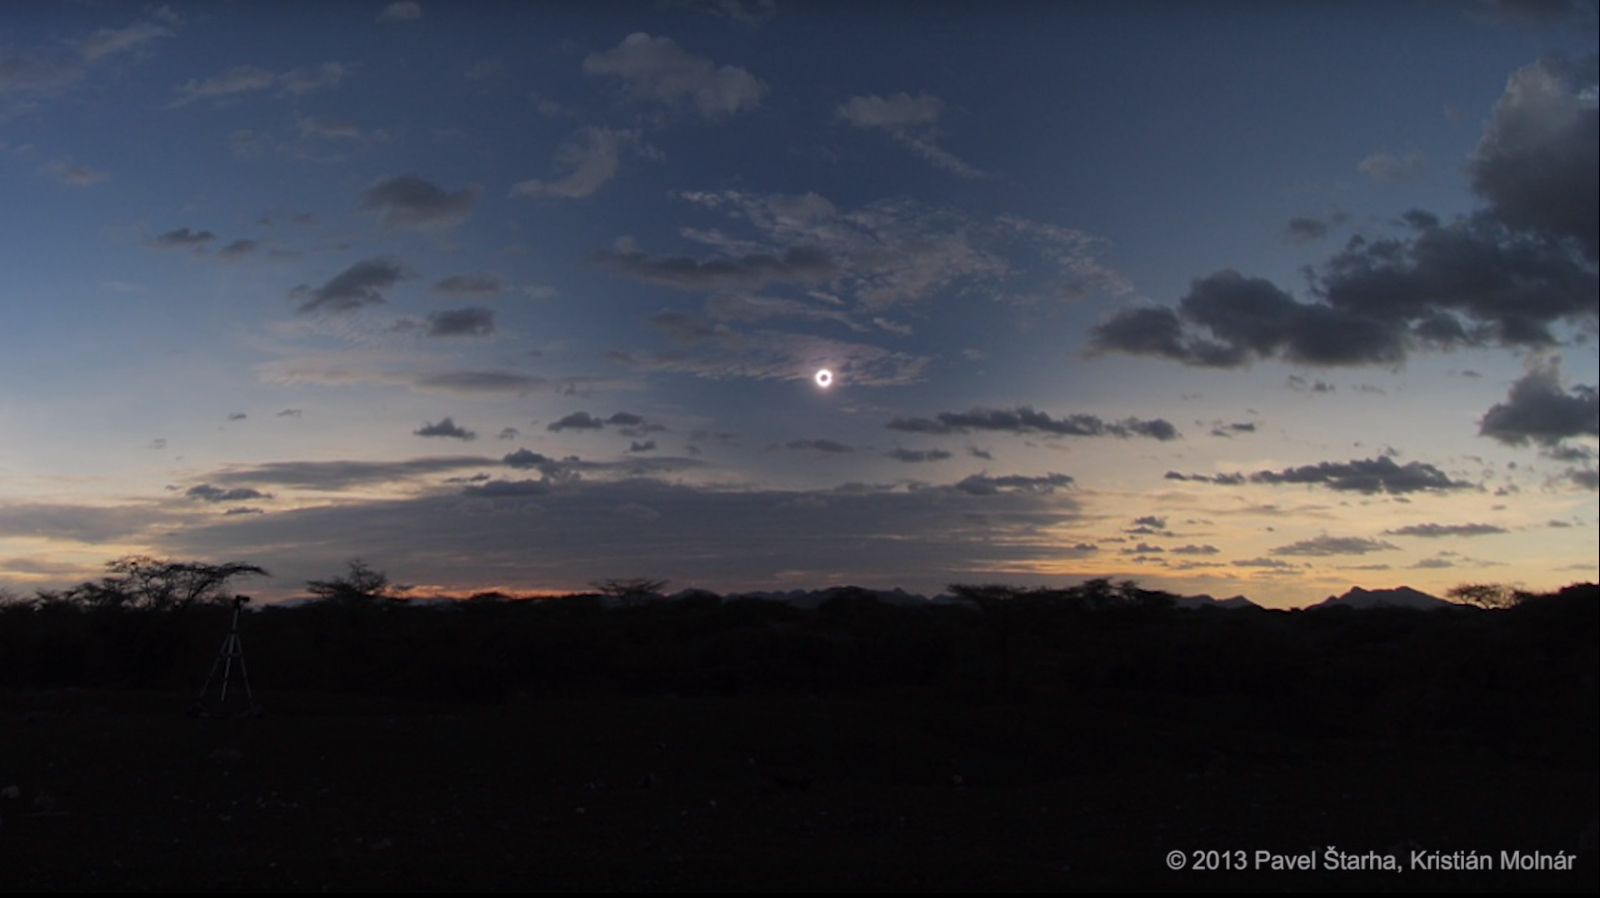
[155,584]
[361,585]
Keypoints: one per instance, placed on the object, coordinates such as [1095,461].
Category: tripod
[232,651]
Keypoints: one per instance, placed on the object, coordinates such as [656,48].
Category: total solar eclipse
[824,378]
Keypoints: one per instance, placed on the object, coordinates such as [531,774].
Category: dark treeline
[1530,669]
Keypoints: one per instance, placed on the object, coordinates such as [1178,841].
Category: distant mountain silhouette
[1399,597]
[1195,603]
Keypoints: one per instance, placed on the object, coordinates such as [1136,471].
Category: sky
[1229,298]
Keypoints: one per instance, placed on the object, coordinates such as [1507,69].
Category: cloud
[468,322]
[913,456]
[1369,475]
[1304,229]
[409,201]
[182,238]
[1538,409]
[403,11]
[910,120]
[894,252]
[328,127]
[238,249]
[110,41]
[1155,522]
[469,285]
[984,485]
[828,446]
[30,72]
[1266,563]
[1435,531]
[1196,550]
[721,354]
[1024,419]
[797,264]
[1335,545]
[1584,478]
[750,538]
[334,476]
[76,175]
[588,165]
[646,446]
[1393,169]
[1536,163]
[1503,274]
[445,428]
[1250,318]
[353,288]
[656,68]
[206,492]
[239,79]
[310,79]
[93,524]
[577,421]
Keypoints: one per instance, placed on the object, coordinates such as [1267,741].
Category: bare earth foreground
[121,791]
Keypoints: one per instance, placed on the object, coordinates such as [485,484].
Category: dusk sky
[1260,298]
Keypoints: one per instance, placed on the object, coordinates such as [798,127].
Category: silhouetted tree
[361,585]
[155,584]
[1487,595]
[631,588]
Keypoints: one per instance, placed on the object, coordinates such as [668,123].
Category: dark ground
[118,790]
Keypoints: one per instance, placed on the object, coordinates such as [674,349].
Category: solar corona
[824,378]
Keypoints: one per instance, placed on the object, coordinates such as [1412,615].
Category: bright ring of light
[824,378]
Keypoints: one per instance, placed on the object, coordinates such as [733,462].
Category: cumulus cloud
[910,120]
[1250,318]
[1505,273]
[353,288]
[469,285]
[1368,475]
[589,161]
[403,11]
[1192,549]
[409,201]
[207,492]
[468,322]
[656,68]
[1335,545]
[1435,531]
[446,427]
[1024,419]
[1536,163]
[1538,409]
